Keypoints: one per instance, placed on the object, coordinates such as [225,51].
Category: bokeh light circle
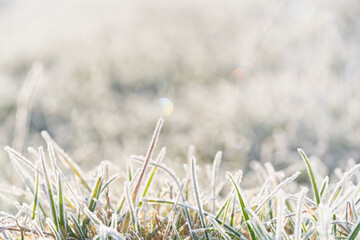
[166,106]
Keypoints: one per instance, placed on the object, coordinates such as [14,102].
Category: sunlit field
[179,120]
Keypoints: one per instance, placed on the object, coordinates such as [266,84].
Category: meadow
[260,103]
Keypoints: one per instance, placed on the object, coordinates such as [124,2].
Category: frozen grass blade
[153,143]
[53,229]
[298,222]
[196,194]
[94,195]
[278,188]
[172,216]
[259,228]
[243,205]
[66,158]
[173,176]
[36,192]
[311,175]
[92,216]
[158,160]
[20,157]
[280,215]
[24,105]
[324,185]
[62,208]
[77,226]
[111,180]
[218,228]
[341,184]
[49,189]
[215,170]
[131,207]
[354,233]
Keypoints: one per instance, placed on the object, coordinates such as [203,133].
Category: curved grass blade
[354,232]
[243,206]
[67,159]
[111,180]
[311,175]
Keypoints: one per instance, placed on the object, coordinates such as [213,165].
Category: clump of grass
[62,202]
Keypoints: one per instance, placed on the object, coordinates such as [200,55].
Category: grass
[152,202]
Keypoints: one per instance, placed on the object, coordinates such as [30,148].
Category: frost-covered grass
[62,202]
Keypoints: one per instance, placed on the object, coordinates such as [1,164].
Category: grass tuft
[59,204]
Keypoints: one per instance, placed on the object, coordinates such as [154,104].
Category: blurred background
[255,79]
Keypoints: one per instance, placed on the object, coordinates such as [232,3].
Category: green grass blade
[354,232]
[159,158]
[223,207]
[94,195]
[197,197]
[77,226]
[243,206]
[311,175]
[111,180]
[36,193]
[67,159]
[219,228]
[173,176]
[131,212]
[62,208]
[53,229]
[324,186]
[120,205]
[92,216]
[49,189]
[228,227]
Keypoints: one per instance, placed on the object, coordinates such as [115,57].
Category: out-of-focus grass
[262,78]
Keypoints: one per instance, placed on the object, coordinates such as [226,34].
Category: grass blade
[215,169]
[67,159]
[354,232]
[77,226]
[298,222]
[48,188]
[158,160]
[197,197]
[311,175]
[153,143]
[243,205]
[36,192]
[62,208]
